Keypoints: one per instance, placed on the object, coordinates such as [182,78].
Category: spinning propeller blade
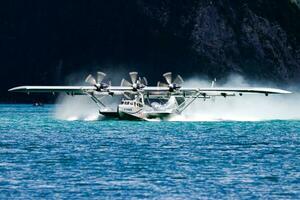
[137,83]
[133,77]
[97,82]
[145,82]
[100,76]
[178,80]
[173,85]
[160,84]
[91,80]
[168,77]
[125,83]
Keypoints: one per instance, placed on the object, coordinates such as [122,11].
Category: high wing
[206,92]
[138,85]
[148,91]
[220,90]
[74,90]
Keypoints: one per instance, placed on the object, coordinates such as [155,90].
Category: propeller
[133,76]
[172,84]
[98,81]
[136,82]
[143,81]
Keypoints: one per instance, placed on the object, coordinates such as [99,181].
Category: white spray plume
[75,108]
[249,107]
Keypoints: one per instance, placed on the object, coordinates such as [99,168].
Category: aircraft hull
[160,115]
[109,114]
[127,116]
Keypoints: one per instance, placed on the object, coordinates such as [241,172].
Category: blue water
[43,157]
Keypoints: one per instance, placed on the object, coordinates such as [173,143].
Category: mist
[249,107]
[76,108]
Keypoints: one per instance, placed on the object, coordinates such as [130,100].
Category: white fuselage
[136,109]
[131,109]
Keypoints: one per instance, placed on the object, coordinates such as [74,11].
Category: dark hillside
[42,42]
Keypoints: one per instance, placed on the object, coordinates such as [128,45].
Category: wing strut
[184,105]
[97,101]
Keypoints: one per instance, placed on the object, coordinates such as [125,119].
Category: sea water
[42,157]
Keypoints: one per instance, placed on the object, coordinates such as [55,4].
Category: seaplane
[138,101]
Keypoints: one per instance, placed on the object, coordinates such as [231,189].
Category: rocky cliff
[254,38]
